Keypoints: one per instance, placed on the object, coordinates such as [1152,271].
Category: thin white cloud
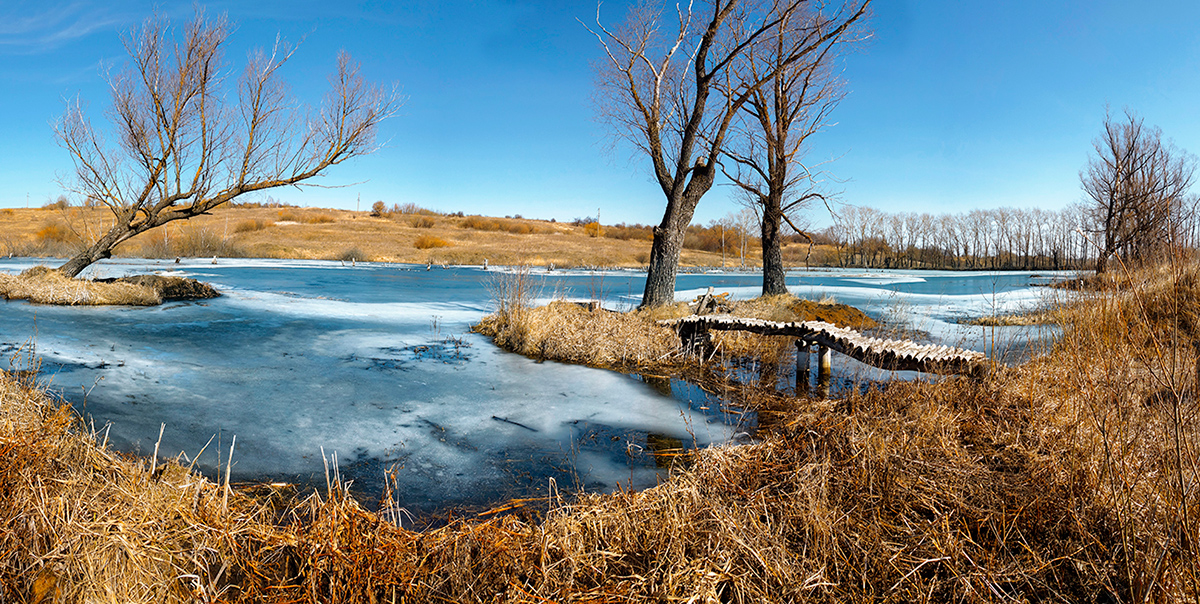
[32,28]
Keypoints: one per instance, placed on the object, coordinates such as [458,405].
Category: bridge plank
[879,352]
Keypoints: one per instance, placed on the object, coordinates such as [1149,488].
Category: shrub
[378,209]
[251,225]
[352,254]
[626,232]
[61,203]
[425,242]
[422,222]
[412,208]
[592,229]
[55,231]
[480,223]
[287,215]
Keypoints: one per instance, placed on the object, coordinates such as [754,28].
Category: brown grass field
[1074,477]
[344,235]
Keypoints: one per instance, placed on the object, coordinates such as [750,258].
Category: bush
[61,203]
[288,215]
[56,232]
[378,209]
[352,254]
[425,242]
[422,222]
[412,208]
[251,225]
[480,223]
[592,229]
[626,232]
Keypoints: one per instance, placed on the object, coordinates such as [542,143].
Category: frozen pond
[375,362]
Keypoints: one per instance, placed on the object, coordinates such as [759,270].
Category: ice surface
[375,361]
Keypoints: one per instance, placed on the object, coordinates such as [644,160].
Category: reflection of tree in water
[661,384]
[667,450]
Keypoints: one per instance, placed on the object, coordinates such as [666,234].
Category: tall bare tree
[655,89]
[792,85]
[184,143]
[1138,184]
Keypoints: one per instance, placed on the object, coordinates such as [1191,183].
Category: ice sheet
[375,361]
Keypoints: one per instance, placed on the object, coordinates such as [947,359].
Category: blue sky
[953,104]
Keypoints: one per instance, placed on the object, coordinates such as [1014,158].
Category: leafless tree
[184,143]
[654,91]
[793,86]
[1138,184]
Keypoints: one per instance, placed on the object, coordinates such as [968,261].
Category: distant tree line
[995,239]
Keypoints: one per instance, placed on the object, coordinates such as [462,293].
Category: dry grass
[85,525]
[47,286]
[1070,478]
[252,224]
[1023,319]
[425,242]
[573,333]
[307,234]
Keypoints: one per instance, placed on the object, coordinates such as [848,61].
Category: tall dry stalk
[1132,354]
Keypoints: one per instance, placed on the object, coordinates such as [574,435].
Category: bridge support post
[803,352]
[824,369]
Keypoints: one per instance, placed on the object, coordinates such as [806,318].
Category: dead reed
[47,286]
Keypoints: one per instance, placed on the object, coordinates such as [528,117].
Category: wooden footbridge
[897,355]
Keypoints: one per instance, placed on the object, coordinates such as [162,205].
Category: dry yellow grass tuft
[85,525]
[425,242]
[47,286]
[569,332]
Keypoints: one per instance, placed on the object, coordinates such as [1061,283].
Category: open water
[374,363]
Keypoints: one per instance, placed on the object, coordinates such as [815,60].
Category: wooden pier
[896,355]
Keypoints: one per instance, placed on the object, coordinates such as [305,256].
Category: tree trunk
[772,254]
[99,250]
[664,264]
[668,237]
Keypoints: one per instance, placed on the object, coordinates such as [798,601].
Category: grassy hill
[416,236]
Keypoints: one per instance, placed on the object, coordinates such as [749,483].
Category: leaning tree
[792,84]
[654,91]
[187,137]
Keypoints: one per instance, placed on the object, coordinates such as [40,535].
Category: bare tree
[655,89]
[1139,186]
[792,85]
[185,143]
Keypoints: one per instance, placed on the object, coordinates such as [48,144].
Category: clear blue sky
[953,105]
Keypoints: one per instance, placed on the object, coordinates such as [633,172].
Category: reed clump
[44,285]
[572,332]
[425,242]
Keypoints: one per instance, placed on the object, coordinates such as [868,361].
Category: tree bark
[772,254]
[100,250]
[668,239]
[664,263]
